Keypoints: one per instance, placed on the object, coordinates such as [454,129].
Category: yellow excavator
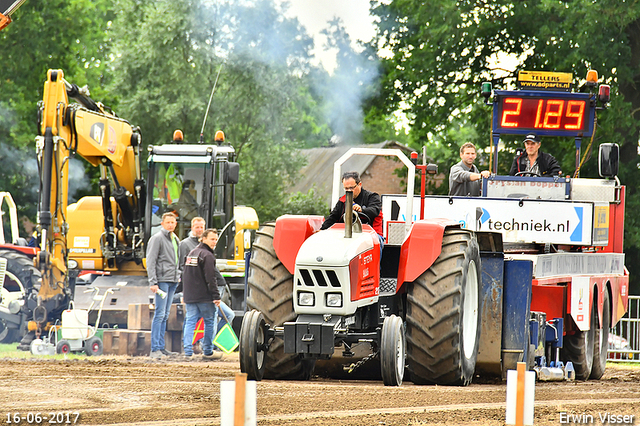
[107,234]
[7,7]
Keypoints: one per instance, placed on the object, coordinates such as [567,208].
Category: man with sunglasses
[365,203]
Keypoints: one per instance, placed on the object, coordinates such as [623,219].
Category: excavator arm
[7,7]
[90,130]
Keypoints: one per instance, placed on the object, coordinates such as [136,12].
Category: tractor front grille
[319,278]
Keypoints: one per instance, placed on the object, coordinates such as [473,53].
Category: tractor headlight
[73,264]
[306,298]
[334,300]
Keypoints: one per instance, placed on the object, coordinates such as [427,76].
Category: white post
[232,410]
[520,396]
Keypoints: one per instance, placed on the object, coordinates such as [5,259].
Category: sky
[314,15]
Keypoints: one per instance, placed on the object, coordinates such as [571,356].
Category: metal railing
[624,338]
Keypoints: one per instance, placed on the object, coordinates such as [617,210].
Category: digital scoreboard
[543,113]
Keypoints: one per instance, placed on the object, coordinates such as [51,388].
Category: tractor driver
[365,202]
[535,162]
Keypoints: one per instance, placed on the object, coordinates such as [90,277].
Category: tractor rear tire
[579,347]
[251,350]
[20,276]
[601,341]
[392,351]
[443,314]
[271,293]
[7,335]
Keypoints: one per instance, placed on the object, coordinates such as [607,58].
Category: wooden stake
[519,394]
[241,385]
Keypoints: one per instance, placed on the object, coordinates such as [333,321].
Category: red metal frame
[421,248]
[290,233]
[29,251]
[553,296]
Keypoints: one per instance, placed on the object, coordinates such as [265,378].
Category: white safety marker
[520,396]
[238,402]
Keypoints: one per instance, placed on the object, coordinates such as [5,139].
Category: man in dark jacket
[200,293]
[364,202]
[198,225]
[533,161]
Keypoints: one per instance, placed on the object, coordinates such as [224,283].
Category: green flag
[226,339]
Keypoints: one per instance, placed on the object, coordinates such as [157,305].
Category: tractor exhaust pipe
[348,214]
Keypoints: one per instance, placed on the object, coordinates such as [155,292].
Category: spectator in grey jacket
[163,273]
[464,178]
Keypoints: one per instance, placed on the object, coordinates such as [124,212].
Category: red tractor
[532,271]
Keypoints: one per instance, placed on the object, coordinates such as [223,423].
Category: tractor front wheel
[443,314]
[392,351]
[271,293]
[20,278]
[579,347]
[252,339]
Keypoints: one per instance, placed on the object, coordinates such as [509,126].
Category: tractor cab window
[177,188]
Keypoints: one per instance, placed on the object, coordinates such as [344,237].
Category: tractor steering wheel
[529,174]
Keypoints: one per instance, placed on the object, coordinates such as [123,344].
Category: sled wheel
[392,351]
[601,340]
[578,348]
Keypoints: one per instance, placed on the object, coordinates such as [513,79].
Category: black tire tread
[600,353]
[22,267]
[434,315]
[271,293]
[577,347]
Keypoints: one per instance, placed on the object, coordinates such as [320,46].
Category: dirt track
[137,391]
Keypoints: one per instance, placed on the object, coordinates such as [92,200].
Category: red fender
[291,231]
[421,248]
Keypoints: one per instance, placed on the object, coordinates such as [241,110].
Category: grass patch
[9,350]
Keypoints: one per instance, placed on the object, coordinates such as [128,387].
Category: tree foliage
[165,70]
[68,35]
[441,51]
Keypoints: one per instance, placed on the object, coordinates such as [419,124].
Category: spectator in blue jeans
[200,293]
[163,273]
[186,245]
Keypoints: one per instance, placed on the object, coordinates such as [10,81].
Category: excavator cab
[190,181]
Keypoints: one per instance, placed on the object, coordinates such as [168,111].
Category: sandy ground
[138,391]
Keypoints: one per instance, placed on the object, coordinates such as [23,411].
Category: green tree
[68,35]
[309,203]
[441,51]
[164,71]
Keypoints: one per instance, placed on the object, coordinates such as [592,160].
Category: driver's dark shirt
[371,207]
[547,164]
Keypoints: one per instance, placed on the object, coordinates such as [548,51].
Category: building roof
[318,172]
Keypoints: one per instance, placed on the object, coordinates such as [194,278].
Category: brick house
[377,173]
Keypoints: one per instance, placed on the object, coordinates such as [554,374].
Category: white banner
[540,221]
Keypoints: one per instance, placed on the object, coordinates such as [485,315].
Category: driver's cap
[532,137]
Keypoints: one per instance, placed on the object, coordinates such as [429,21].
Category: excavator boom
[7,7]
